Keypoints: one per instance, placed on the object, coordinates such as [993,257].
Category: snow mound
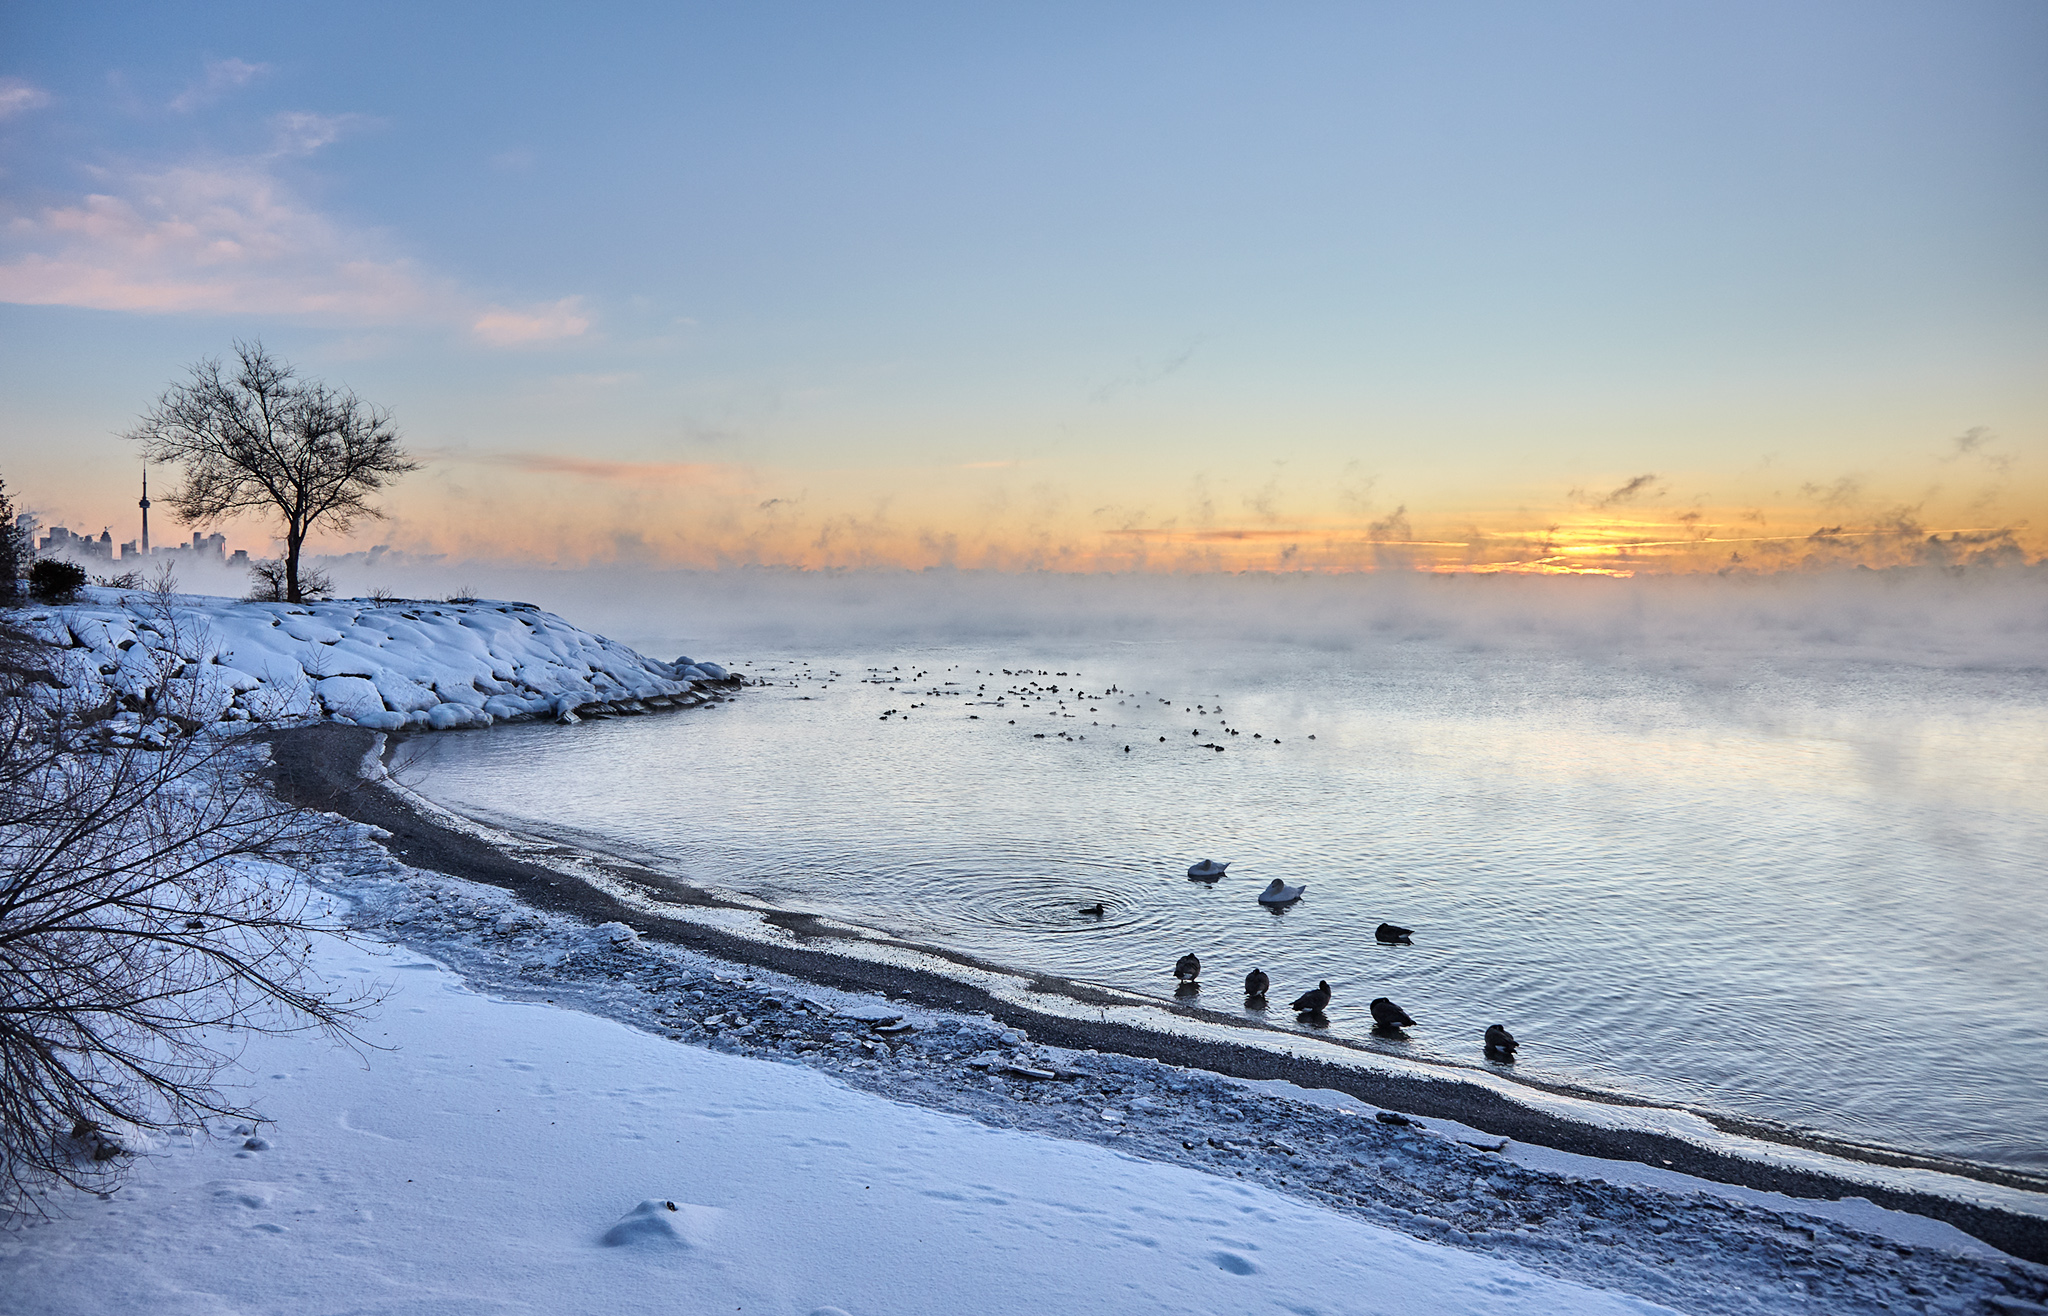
[663,1223]
[386,665]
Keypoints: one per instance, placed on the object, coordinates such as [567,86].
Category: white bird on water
[1279,893]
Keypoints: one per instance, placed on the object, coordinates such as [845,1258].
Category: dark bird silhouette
[1389,1015]
[1313,1002]
[1392,935]
[1500,1043]
[1187,968]
[1255,984]
[1093,911]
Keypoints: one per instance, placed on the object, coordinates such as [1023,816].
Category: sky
[1493,287]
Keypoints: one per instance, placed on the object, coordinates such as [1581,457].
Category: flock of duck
[1388,1019]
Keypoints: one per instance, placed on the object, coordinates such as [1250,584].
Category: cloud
[1144,372]
[229,237]
[224,240]
[590,468]
[298,132]
[502,326]
[1627,493]
[18,97]
[222,76]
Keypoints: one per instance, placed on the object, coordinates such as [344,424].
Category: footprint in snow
[1233,1263]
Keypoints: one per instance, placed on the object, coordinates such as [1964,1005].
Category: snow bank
[405,664]
[493,1156]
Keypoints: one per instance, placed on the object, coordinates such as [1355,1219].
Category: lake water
[1803,890]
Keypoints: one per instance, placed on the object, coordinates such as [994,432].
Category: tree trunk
[293,539]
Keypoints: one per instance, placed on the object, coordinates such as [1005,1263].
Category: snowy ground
[406,663]
[822,1155]
[507,1157]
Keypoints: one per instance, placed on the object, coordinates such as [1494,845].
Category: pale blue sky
[1177,265]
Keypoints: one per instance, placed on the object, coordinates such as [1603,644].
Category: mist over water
[1774,847]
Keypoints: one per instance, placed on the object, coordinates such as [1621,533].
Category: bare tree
[262,439]
[150,915]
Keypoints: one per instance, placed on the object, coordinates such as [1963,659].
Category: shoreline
[321,767]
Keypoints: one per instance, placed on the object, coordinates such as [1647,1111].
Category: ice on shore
[389,665]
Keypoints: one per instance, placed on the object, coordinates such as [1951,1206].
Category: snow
[388,665]
[491,1155]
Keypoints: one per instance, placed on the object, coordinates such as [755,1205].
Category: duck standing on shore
[1187,968]
[1500,1044]
[1387,1015]
[1255,984]
[1313,1002]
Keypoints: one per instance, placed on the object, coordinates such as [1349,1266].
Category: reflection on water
[1809,895]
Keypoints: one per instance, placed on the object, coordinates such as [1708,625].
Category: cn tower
[144,505]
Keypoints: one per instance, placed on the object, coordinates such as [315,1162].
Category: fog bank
[1981,617]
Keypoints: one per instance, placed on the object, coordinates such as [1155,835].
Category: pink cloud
[224,240]
[502,326]
[229,238]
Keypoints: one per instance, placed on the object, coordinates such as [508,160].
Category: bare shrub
[464,594]
[268,584]
[151,913]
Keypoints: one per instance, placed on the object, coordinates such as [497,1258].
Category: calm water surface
[1807,893]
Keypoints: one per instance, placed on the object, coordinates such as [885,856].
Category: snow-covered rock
[387,665]
[659,1222]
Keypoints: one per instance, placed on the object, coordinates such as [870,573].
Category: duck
[1208,870]
[1255,984]
[1500,1043]
[1187,968]
[1093,911]
[1389,1015]
[1279,893]
[1313,1002]
[1392,934]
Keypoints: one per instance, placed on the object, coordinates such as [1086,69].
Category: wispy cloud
[222,76]
[1626,493]
[590,468]
[504,326]
[228,236]
[18,97]
[225,239]
[298,132]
